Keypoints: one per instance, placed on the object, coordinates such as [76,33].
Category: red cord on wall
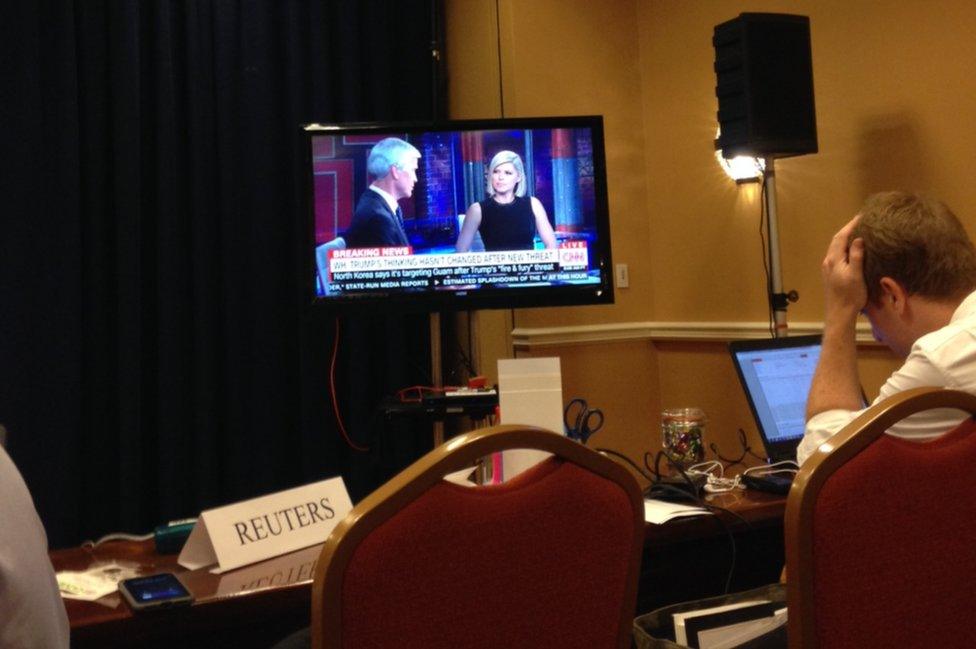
[335,400]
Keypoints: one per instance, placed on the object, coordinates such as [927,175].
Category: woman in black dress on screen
[507,219]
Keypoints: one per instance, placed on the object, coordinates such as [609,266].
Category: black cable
[498,42]
[684,494]
[474,370]
[732,544]
[701,502]
[436,54]
[746,451]
[463,357]
[469,368]
[607,451]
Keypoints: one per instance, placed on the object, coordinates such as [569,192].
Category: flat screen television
[511,259]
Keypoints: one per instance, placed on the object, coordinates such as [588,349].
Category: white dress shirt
[32,614]
[944,358]
[392,202]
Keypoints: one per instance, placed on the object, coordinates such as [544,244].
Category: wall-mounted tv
[532,192]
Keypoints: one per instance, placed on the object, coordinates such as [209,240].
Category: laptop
[776,374]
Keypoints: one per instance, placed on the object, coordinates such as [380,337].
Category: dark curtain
[156,354]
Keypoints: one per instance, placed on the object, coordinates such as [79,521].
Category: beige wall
[895,108]
[563,58]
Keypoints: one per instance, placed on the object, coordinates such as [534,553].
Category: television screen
[497,213]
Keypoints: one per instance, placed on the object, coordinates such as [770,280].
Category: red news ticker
[355,253]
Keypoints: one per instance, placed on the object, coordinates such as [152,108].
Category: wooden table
[257,605]
[254,606]
[749,509]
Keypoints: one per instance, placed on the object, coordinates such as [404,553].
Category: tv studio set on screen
[562,159]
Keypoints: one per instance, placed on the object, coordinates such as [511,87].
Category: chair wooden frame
[454,455]
[831,455]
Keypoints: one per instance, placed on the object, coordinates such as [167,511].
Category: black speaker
[764,85]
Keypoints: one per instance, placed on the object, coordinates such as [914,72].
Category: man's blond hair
[917,241]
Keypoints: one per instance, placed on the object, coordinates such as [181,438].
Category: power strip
[171,537]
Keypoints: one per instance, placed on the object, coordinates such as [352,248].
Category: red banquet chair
[548,559]
[881,533]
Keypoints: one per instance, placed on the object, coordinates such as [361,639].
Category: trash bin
[655,630]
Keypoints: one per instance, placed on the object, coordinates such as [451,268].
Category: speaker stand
[778,299]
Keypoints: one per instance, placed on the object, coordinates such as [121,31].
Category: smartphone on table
[154,591]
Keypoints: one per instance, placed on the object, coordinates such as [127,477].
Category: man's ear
[894,294]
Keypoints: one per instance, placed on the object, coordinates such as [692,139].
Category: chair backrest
[881,533]
[549,559]
[322,260]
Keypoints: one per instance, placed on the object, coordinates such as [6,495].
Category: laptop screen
[776,376]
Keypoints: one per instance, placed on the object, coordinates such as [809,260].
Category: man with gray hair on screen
[908,265]
[378,220]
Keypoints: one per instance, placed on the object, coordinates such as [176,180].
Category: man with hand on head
[378,220]
[907,264]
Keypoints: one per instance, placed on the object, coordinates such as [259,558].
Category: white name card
[265,527]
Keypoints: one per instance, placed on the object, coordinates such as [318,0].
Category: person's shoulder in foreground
[906,263]
[32,613]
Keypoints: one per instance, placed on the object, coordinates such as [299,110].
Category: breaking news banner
[365,269]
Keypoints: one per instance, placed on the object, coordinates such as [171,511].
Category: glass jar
[682,433]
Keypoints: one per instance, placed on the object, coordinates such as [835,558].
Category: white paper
[462,477]
[661,511]
[734,635]
[93,583]
[530,393]
[680,634]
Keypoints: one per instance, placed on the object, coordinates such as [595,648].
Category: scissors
[581,421]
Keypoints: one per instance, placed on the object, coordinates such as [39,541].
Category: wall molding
[524,338]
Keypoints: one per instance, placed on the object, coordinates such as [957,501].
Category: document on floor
[728,626]
[729,637]
[661,511]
